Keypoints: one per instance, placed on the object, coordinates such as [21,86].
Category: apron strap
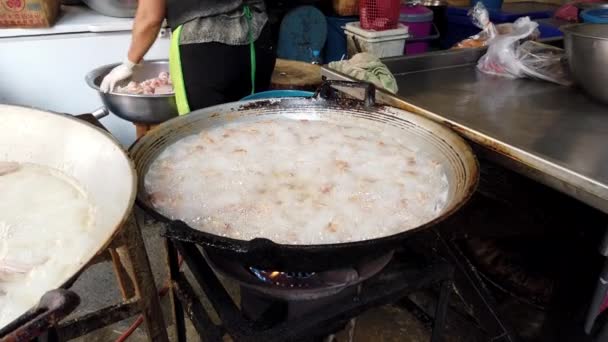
[251,47]
[177,77]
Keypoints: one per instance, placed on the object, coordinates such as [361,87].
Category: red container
[379,15]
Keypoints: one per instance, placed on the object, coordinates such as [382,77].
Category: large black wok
[438,141]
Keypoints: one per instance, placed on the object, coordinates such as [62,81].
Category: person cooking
[221,50]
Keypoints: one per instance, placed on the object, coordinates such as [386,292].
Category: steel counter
[553,134]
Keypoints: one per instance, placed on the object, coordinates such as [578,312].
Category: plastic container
[388,43]
[379,15]
[419,21]
[335,46]
[595,16]
[273,94]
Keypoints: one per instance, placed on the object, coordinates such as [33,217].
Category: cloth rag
[367,67]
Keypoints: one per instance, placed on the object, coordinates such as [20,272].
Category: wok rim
[470,187]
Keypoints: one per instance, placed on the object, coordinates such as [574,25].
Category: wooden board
[295,75]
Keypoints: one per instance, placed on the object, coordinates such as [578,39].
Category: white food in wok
[297,182]
[45,222]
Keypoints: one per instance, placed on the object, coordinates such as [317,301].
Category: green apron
[175,66]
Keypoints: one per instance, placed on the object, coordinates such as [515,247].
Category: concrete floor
[97,288]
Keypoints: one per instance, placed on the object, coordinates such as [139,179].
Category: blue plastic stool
[273,94]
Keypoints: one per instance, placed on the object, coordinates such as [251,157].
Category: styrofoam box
[388,43]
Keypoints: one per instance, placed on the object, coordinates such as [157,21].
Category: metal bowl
[143,109]
[587,52]
[114,8]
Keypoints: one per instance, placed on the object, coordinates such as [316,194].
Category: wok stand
[599,294]
[145,300]
[142,129]
[473,291]
[53,307]
[45,321]
[396,281]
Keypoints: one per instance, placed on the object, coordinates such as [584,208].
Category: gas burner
[271,312]
[283,279]
[298,285]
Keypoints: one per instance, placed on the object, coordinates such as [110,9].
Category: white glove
[119,73]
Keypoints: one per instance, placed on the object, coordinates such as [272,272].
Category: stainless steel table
[554,134]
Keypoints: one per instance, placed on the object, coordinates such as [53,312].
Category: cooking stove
[298,286]
[278,305]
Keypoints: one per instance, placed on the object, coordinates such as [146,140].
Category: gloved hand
[119,73]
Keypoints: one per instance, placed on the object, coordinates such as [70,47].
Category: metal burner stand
[397,280]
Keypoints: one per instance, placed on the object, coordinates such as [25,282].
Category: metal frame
[599,294]
[471,287]
[145,302]
[386,287]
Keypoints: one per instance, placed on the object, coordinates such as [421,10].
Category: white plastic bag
[544,62]
[481,18]
[501,58]
[508,57]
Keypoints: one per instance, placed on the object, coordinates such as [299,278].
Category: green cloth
[367,67]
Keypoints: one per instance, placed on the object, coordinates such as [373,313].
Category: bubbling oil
[297,182]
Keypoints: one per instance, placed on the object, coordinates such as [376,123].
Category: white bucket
[388,43]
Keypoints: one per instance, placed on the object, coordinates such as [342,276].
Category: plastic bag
[544,62]
[507,57]
[480,18]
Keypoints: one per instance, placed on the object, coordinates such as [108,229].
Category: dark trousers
[216,73]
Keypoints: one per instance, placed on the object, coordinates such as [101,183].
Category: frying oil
[45,217]
[297,182]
